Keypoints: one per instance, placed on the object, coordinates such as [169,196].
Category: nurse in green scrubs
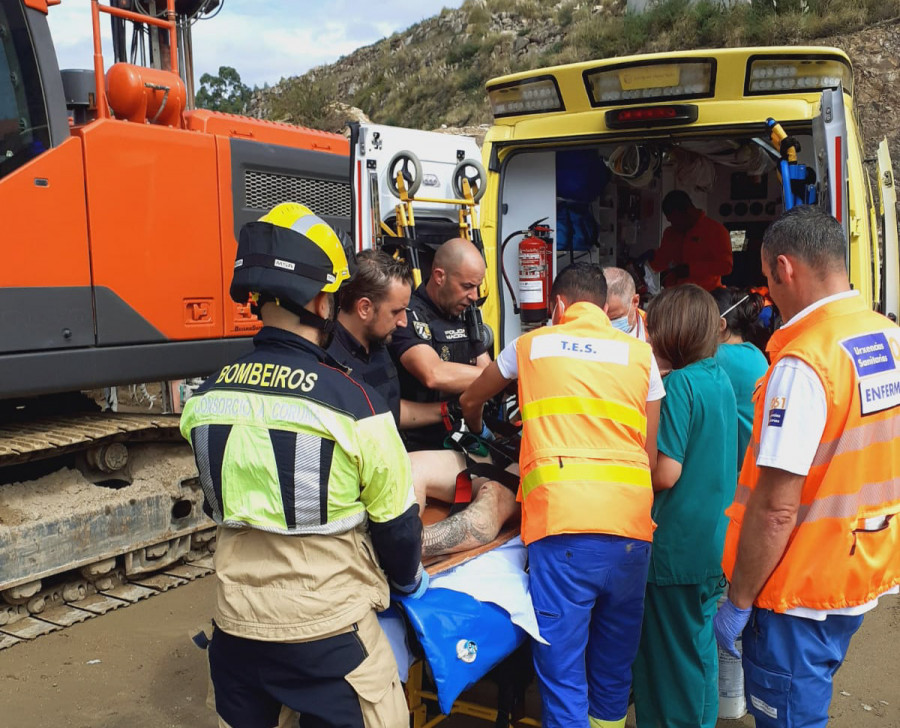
[741,360]
[676,671]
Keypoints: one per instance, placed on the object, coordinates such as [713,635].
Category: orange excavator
[121,207]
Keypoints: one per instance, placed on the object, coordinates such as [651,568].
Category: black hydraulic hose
[503,267]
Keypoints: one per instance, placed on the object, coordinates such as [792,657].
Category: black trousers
[253,679]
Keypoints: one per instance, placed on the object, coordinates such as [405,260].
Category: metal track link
[58,435]
[111,591]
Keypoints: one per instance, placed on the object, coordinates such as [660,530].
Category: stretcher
[476,614]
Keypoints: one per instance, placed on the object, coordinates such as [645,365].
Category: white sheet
[497,576]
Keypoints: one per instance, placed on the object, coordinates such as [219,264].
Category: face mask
[731,308]
[622,324]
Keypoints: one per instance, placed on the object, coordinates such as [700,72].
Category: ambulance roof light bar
[537,95]
[653,80]
[768,74]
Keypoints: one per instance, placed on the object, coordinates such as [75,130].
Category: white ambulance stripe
[580,347]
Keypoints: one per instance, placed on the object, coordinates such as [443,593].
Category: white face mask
[622,324]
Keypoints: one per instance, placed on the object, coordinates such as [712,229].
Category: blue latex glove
[728,624]
[423,586]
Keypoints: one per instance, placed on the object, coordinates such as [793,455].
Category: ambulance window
[24,132]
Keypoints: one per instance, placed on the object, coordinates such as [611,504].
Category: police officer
[373,305]
[814,538]
[308,481]
[436,353]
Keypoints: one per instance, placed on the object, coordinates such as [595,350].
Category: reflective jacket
[583,389]
[287,444]
[834,559]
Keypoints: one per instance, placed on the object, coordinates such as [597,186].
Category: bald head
[619,283]
[621,298]
[456,274]
[456,253]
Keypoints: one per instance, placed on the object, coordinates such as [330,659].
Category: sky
[264,40]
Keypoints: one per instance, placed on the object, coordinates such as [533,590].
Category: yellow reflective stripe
[625,474]
[597,723]
[621,413]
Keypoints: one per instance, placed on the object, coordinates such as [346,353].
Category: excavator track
[97,511]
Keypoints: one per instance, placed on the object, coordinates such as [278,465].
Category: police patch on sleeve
[875,357]
[423,330]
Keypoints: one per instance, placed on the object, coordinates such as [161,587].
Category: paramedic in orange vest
[589,395]
[814,537]
[622,302]
[694,248]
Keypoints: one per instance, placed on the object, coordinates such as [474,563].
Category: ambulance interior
[603,202]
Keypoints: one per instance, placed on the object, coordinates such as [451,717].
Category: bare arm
[472,401]
[666,473]
[418,414]
[652,428]
[425,365]
[768,523]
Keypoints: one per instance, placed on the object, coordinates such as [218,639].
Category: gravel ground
[136,668]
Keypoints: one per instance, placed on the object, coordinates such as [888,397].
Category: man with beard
[372,306]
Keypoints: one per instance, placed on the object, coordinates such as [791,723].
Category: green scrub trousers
[676,673]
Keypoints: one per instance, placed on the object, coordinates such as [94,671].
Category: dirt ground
[136,668]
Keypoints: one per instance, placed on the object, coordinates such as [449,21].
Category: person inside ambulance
[694,248]
[436,353]
[622,302]
[307,480]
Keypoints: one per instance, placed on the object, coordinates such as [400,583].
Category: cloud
[263,41]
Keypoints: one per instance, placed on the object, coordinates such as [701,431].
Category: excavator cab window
[24,132]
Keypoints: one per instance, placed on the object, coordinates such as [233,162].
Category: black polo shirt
[373,367]
[427,324]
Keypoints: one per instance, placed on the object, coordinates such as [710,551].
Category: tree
[224,92]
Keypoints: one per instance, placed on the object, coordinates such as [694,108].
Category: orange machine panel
[269,132]
[152,195]
[238,321]
[45,242]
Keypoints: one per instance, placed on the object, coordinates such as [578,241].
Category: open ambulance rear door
[890,259]
[830,137]
[429,161]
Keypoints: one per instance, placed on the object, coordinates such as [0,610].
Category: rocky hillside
[432,75]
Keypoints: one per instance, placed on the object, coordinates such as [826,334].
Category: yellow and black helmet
[290,255]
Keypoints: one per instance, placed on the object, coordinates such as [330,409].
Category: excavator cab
[24,126]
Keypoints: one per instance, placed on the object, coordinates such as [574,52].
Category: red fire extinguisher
[535,272]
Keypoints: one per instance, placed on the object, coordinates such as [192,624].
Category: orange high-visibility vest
[833,558]
[583,398]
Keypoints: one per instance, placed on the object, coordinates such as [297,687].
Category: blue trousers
[789,663]
[588,594]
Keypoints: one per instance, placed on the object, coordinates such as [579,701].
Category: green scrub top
[698,428]
[744,364]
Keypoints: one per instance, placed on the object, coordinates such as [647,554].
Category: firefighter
[437,355]
[308,481]
[814,538]
[589,398]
